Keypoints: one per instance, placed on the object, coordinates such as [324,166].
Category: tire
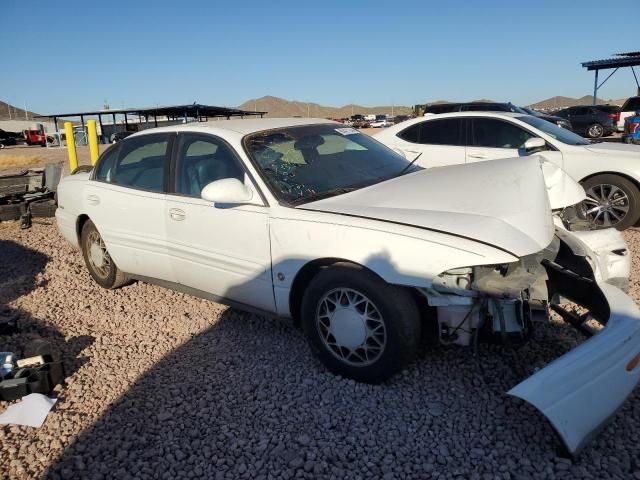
[595,131]
[107,275]
[365,356]
[622,191]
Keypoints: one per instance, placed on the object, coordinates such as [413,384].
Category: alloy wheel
[606,205]
[351,327]
[596,131]
[98,256]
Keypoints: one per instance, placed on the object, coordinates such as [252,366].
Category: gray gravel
[164,385]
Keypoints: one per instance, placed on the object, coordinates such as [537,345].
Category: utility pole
[26,115]
[307,110]
[9,108]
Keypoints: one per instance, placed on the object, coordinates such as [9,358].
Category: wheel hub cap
[97,257]
[351,327]
[606,205]
[348,328]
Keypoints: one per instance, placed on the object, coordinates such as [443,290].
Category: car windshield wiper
[409,166]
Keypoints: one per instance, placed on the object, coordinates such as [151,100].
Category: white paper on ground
[32,411]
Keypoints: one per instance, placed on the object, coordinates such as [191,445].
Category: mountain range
[279,107]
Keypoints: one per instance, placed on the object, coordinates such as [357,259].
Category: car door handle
[93,199]
[177,214]
[478,155]
[412,151]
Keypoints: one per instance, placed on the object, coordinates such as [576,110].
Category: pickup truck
[630,107]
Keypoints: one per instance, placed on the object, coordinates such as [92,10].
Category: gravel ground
[164,385]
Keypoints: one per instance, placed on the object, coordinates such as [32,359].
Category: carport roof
[627,59]
[194,110]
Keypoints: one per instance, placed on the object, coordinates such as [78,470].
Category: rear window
[139,163]
[633,104]
[608,108]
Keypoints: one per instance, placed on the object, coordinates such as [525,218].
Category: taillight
[614,116]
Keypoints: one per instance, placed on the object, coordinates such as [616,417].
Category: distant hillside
[9,112]
[563,102]
[279,107]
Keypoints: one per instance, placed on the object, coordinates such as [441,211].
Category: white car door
[439,142]
[125,200]
[222,250]
[494,138]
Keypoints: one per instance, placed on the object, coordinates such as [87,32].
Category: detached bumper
[581,391]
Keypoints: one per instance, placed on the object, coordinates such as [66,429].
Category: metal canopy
[194,110]
[621,60]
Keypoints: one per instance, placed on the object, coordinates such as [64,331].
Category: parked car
[364,249]
[35,137]
[590,121]
[629,108]
[6,139]
[494,107]
[632,129]
[380,124]
[609,172]
[401,118]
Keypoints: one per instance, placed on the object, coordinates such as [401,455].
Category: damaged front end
[580,391]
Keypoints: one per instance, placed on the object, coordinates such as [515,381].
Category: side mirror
[534,145]
[228,190]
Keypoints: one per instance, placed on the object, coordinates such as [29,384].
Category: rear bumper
[582,390]
[67,226]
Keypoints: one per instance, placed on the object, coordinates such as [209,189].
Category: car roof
[243,127]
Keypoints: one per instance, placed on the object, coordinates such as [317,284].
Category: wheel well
[631,179]
[303,278]
[82,219]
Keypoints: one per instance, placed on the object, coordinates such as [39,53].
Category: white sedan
[312,220]
[609,172]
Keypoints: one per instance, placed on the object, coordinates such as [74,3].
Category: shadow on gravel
[246,398]
[19,275]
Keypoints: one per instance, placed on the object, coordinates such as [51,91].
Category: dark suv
[593,121]
[494,107]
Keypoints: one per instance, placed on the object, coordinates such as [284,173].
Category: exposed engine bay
[500,303]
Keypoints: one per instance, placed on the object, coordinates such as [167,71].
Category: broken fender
[581,391]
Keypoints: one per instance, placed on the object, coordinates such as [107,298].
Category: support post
[71,146]
[93,141]
[595,88]
[101,128]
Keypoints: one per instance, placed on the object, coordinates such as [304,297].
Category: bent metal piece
[581,391]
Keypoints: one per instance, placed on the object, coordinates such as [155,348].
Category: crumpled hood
[615,149]
[503,203]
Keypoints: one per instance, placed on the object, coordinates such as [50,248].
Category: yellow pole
[93,141]
[71,146]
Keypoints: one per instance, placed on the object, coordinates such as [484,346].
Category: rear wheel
[358,325]
[595,131]
[99,263]
[612,201]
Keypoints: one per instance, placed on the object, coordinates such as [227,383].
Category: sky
[74,55]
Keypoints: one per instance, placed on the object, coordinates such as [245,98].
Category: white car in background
[628,109]
[315,221]
[609,172]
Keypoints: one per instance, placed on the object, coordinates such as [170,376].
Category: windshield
[561,134]
[310,162]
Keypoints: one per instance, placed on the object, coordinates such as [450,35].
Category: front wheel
[358,325]
[612,201]
[99,263]
[595,131]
